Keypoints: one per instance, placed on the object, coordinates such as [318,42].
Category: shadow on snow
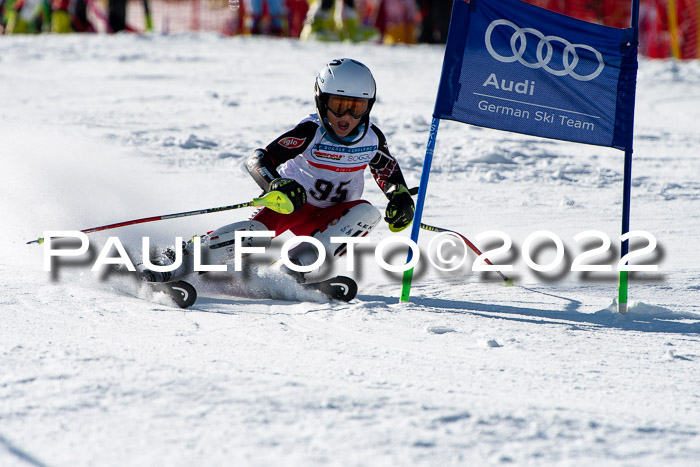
[644,318]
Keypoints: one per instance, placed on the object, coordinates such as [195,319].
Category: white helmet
[349,78]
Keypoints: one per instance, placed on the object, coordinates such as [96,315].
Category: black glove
[399,211]
[291,189]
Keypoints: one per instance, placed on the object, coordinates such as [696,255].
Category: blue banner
[512,66]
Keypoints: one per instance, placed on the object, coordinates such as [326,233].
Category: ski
[183,293]
[337,288]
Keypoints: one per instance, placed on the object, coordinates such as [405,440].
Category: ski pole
[509,282]
[275,200]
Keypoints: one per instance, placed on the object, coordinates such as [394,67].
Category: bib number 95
[323,189]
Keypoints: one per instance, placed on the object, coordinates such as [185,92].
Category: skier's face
[342,125]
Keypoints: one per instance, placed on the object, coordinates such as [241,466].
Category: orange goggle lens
[341,105]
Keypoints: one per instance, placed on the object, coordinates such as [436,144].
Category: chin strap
[349,140]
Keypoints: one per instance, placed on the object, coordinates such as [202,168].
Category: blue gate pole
[415,229]
[627,189]
[624,247]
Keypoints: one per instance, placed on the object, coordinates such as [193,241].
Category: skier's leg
[349,220]
[217,247]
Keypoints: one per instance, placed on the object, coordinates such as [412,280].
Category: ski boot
[167,257]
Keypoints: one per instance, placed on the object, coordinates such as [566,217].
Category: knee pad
[219,245]
[358,221]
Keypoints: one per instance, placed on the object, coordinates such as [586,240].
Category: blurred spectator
[435,20]
[70,16]
[334,20]
[250,18]
[25,16]
[266,17]
[297,10]
[60,19]
[79,17]
[3,17]
[396,20]
[116,15]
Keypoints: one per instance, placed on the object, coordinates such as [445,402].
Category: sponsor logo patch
[291,142]
[326,155]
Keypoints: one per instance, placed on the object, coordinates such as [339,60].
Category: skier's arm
[385,169]
[262,169]
[262,164]
[387,174]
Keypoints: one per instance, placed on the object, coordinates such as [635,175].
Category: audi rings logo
[545,51]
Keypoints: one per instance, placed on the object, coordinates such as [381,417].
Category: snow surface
[95,370]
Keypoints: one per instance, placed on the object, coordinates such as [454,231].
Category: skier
[319,167]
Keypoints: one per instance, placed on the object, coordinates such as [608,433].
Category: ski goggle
[340,105]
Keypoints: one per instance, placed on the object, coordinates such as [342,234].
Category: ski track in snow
[98,370]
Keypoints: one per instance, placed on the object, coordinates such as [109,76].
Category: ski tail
[182,293]
[336,288]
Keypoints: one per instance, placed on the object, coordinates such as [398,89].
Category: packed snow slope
[96,370]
